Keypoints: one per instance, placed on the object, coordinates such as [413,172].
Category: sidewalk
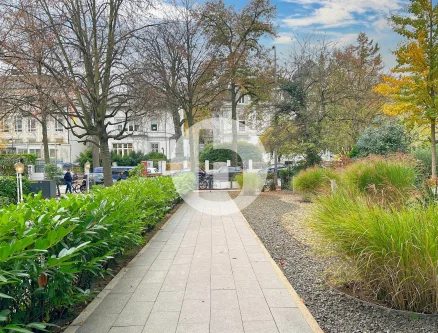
[199,274]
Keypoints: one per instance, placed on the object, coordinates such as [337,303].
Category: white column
[207,165]
[249,164]
[228,162]
[184,164]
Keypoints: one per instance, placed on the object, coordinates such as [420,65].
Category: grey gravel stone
[333,311]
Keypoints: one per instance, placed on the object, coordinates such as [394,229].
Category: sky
[337,20]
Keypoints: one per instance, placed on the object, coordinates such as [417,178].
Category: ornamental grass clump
[390,179]
[249,182]
[314,180]
[393,250]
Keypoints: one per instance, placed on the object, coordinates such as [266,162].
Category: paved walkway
[201,273]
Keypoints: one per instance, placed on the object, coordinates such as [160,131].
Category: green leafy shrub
[7,162]
[184,182]
[8,189]
[392,178]
[314,180]
[384,137]
[137,171]
[394,251]
[50,251]
[222,152]
[249,182]
[51,171]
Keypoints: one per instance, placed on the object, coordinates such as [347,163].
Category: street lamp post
[19,168]
[87,172]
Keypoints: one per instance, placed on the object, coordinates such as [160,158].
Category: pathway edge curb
[297,299]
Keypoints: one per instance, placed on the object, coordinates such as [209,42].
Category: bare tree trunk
[190,122]
[433,145]
[234,125]
[106,162]
[45,141]
[179,148]
[95,154]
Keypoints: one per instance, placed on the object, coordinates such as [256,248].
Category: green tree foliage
[8,189]
[7,162]
[384,137]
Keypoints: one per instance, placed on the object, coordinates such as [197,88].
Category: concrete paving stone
[226,321]
[97,323]
[168,301]
[182,259]
[224,299]
[221,269]
[246,284]
[253,249]
[186,250]
[201,276]
[193,328]
[170,248]
[195,311]
[127,329]
[220,258]
[161,265]
[136,271]
[174,285]
[290,320]
[270,281]
[143,261]
[253,291]
[134,314]
[222,282]
[201,263]
[126,285]
[112,303]
[254,308]
[244,273]
[156,244]
[278,298]
[219,249]
[166,255]
[260,326]
[161,322]
[263,267]
[153,277]
[178,271]
[197,291]
[146,292]
[240,262]
[257,257]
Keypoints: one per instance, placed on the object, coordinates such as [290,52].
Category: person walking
[68,178]
[120,176]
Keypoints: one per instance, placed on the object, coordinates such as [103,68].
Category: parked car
[227,173]
[271,168]
[152,170]
[96,178]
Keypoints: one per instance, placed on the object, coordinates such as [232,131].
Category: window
[59,124]
[122,149]
[4,127]
[37,152]
[52,153]
[31,124]
[18,124]
[242,127]
[133,127]
[155,147]
[130,126]
[241,100]
[154,126]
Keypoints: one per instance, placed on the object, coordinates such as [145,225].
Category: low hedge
[8,189]
[314,180]
[51,251]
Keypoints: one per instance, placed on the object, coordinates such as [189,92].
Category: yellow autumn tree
[413,86]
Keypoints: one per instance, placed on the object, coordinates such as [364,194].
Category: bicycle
[80,188]
[204,182]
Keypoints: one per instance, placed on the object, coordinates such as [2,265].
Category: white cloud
[283,39]
[339,13]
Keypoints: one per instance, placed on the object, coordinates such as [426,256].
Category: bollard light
[87,165]
[87,172]
[19,169]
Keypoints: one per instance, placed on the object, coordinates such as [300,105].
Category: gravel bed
[333,311]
